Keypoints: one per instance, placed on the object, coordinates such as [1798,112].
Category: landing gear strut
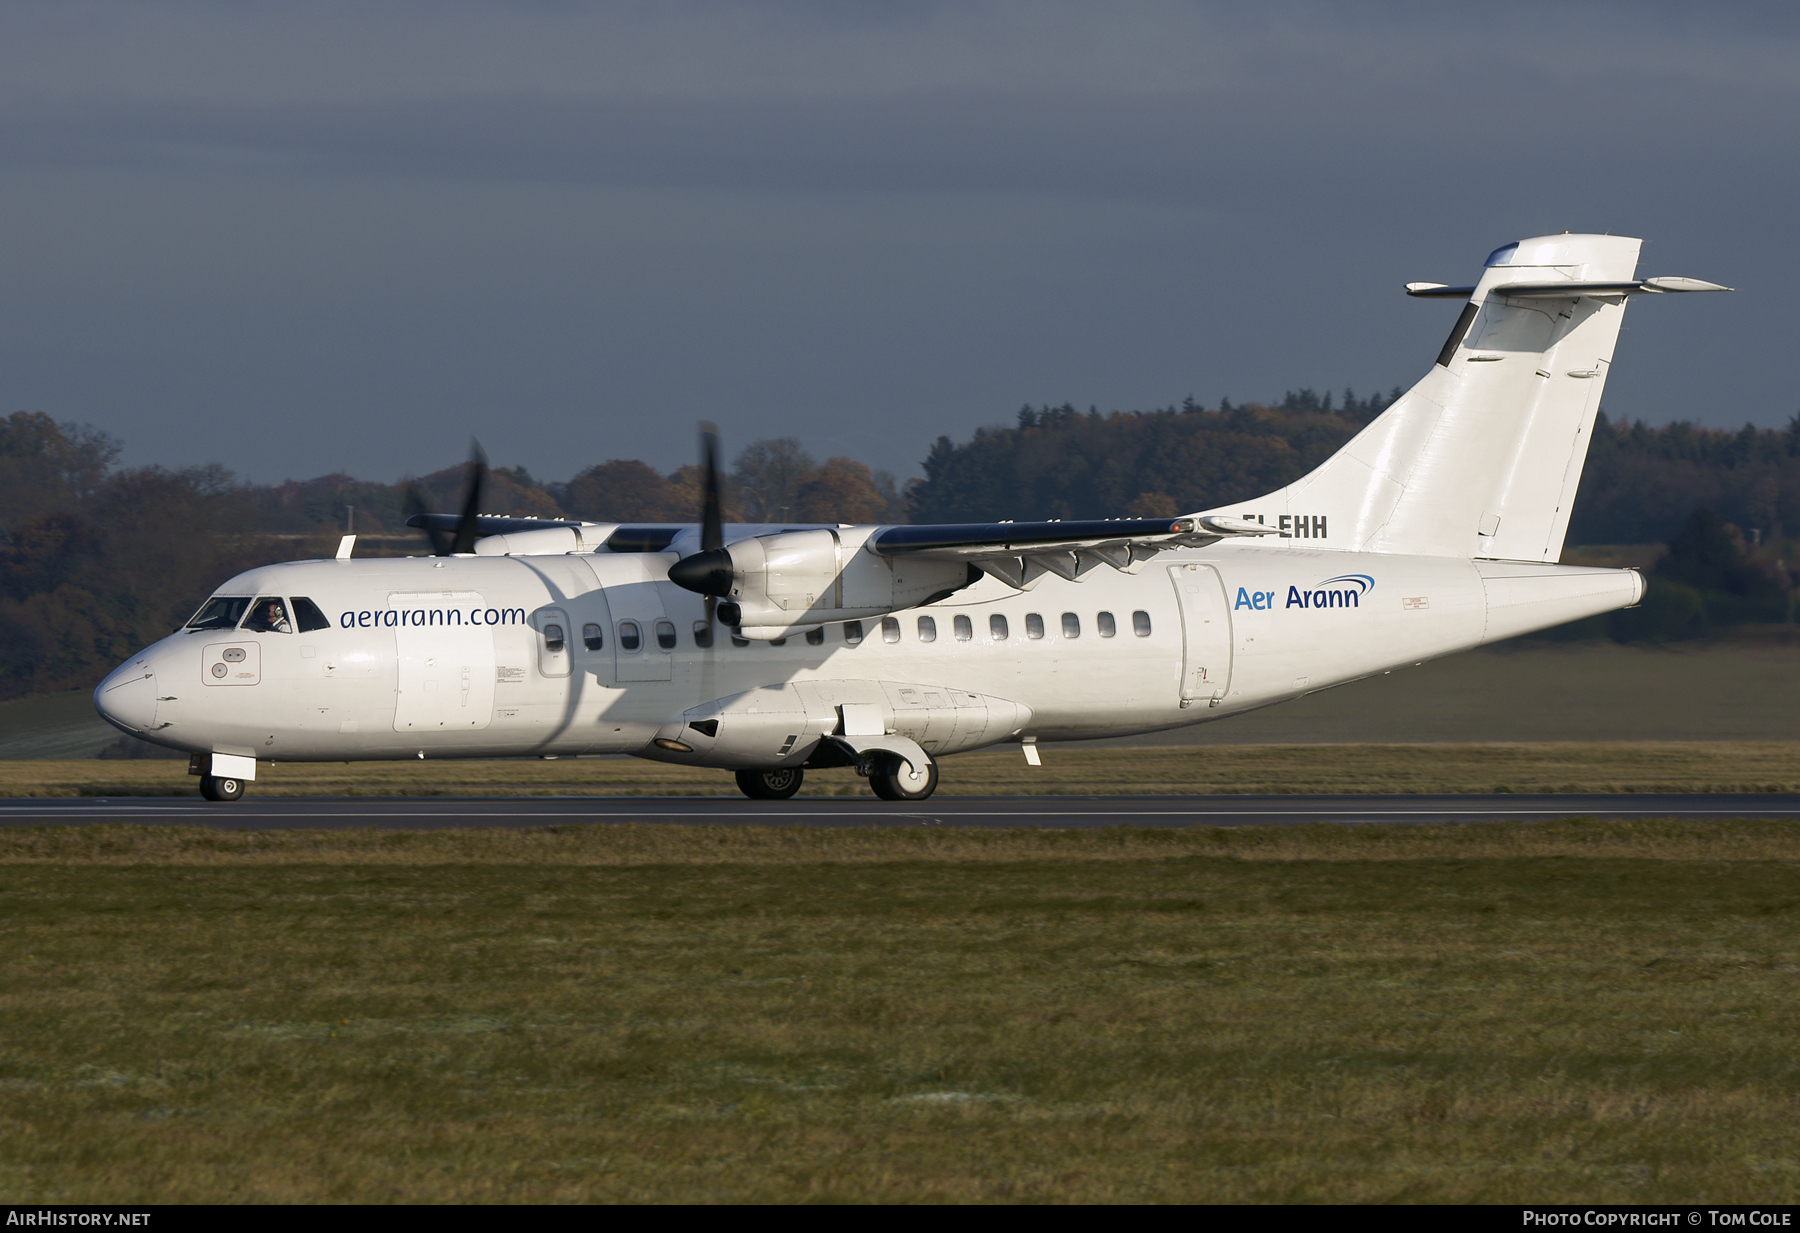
[775,785]
[221,787]
[893,779]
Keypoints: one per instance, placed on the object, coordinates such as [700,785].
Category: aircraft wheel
[221,787]
[897,781]
[775,785]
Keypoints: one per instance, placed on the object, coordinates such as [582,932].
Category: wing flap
[1019,553]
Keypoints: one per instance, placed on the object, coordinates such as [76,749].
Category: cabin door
[1205,634]
[446,678]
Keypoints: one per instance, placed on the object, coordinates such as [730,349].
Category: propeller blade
[415,512]
[712,505]
[465,526]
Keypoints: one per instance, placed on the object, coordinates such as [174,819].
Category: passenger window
[1105,623]
[702,633]
[665,635]
[1140,623]
[220,612]
[890,629]
[591,637]
[853,632]
[965,628]
[309,616]
[268,615]
[1071,625]
[553,639]
[1034,625]
[815,637]
[927,629]
[630,637]
[997,627]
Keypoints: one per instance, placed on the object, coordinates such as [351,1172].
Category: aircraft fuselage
[599,653]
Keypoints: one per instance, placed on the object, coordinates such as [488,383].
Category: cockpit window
[309,616]
[1502,256]
[220,612]
[268,615]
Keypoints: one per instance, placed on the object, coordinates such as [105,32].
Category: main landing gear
[893,779]
[221,787]
[889,776]
[775,785]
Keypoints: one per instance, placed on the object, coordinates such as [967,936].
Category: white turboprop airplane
[765,650]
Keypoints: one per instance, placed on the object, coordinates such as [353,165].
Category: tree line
[100,560]
[774,480]
[1639,486]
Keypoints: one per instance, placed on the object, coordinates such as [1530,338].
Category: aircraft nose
[127,698]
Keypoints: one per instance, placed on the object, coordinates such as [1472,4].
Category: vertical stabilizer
[1482,457]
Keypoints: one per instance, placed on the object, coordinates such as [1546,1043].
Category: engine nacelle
[798,580]
[528,543]
[786,726]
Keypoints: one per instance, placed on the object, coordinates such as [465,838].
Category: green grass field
[1580,1011]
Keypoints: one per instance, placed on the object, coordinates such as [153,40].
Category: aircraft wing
[489,524]
[1018,553]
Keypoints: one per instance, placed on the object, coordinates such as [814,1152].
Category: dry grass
[636,845]
[1617,766]
[1581,1011]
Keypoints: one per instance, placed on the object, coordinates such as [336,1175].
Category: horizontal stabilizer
[1681,284]
[1567,289]
[1570,290]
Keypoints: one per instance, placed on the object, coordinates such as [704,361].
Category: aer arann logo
[1343,591]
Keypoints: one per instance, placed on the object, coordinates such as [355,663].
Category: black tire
[221,787]
[775,785]
[894,780]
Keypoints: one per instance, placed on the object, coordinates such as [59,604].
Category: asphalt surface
[436,813]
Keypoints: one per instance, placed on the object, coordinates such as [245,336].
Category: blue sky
[296,238]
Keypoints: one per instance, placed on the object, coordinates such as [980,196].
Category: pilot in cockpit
[268,616]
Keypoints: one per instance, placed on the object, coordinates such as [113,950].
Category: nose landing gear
[221,787]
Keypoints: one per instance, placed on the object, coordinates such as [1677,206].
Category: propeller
[709,571]
[711,567]
[445,543]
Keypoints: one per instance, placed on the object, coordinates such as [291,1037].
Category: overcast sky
[297,238]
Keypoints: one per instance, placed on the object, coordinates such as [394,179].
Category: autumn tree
[624,490]
[842,490]
[767,477]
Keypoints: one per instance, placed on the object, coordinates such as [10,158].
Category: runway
[435,813]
